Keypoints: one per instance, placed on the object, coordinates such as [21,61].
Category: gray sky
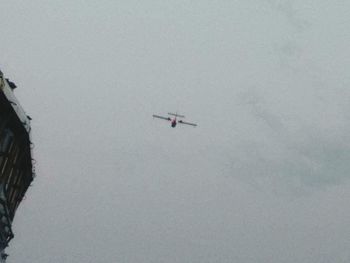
[263,178]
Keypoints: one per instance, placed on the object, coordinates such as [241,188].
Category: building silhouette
[16,169]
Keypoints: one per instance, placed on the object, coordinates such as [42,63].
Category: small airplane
[174,120]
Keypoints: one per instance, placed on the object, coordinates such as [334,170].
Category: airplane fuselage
[173,123]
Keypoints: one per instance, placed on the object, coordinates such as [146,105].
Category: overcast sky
[263,178]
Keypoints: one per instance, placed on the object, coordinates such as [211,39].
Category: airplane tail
[176,115]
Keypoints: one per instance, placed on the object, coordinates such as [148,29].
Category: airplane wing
[161,117]
[187,123]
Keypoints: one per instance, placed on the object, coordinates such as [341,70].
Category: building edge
[16,163]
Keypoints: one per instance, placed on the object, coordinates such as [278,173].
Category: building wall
[16,172]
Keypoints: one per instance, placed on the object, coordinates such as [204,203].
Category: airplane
[174,121]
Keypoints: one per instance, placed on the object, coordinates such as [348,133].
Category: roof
[8,92]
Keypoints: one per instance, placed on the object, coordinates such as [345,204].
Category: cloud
[293,152]
[291,13]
